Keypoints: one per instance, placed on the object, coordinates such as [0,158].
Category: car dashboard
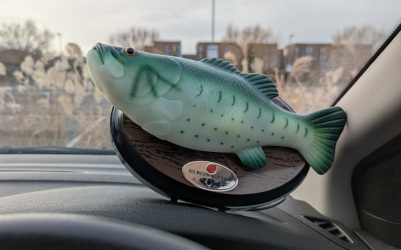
[99,185]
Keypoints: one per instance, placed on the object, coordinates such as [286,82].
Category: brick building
[319,52]
[267,52]
[171,48]
[229,51]
[351,57]
[266,57]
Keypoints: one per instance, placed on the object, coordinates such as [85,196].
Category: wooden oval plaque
[159,164]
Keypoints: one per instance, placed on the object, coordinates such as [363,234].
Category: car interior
[52,198]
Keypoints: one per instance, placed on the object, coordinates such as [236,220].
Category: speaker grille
[376,184]
[381,191]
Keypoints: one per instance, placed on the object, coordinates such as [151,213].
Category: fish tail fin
[327,125]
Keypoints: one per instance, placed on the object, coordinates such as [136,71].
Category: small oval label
[210,176]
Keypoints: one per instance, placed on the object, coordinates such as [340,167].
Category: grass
[303,90]
[53,106]
[311,95]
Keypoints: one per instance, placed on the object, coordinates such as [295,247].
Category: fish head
[112,70]
[130,77]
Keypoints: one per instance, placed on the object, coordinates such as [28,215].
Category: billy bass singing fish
[209,105]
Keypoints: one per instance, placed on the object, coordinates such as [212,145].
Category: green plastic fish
[209,105]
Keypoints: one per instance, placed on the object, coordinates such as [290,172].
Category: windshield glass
[311,49]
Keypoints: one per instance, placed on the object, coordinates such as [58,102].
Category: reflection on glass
[48,99]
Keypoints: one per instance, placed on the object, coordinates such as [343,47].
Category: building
[320,54]
[266,58]
[267,53]
[170,48]
[228,51]
[351,58]
[263,56]
[12,59]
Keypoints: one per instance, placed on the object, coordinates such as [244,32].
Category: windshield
[311,49]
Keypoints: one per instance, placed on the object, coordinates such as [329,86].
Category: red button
[211,168]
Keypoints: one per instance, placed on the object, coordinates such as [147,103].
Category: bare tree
[25,37]
[134,37]
[73,50]
[232,34]
[249,34]
[365,35]
[353,46]
[246,39]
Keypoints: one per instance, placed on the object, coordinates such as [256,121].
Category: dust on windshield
[47,97]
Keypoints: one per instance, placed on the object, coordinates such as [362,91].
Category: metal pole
[290,38]
[61,45]
[213,7]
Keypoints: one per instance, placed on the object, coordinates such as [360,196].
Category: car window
[311,49]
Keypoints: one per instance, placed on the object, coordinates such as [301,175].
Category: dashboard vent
[331,228]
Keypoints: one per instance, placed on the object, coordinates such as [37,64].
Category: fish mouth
[99,49]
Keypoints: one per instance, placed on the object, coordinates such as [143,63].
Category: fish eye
[130,51]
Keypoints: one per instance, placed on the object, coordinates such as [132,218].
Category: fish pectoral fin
[160,129]
[253,158]
[172,109]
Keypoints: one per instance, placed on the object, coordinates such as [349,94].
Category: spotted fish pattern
[209,105]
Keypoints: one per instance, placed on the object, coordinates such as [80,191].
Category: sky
[189,21]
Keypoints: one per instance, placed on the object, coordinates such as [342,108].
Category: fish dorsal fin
[221,64]
[261,82]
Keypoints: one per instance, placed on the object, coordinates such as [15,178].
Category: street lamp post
[61,46]
[213,7]
[290,38]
